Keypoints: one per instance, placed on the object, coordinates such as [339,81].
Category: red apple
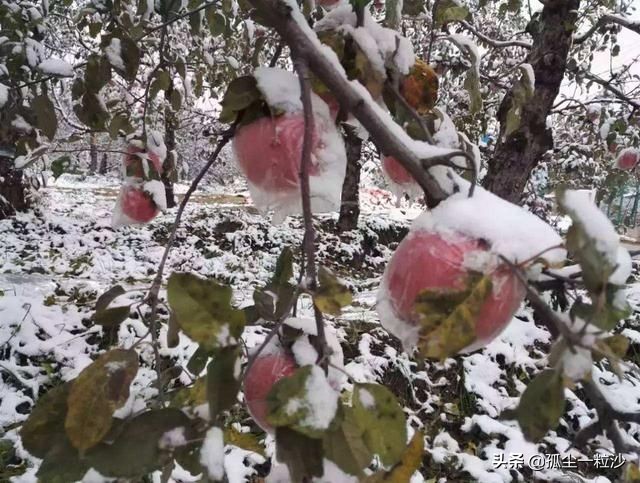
[133,162]
[426,260]
[269,151]
[395,171]
[137,204]
[628,159]
[265,371]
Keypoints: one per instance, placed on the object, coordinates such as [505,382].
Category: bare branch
[152,295]
[305,45]
[175,19]
[309,248]
[633,25]
[607,86]
[498,44]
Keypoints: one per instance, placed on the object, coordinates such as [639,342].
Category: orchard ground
[54,262]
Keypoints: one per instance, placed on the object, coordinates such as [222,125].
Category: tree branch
[152,295]
[305,45]
[498,44]
[309,248]
[632,25]
[607,86]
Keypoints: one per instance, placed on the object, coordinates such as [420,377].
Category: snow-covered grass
[56,261]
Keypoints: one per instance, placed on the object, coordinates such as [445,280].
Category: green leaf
[345,445]
[175,99]
[447,319]
[472,79]
[161,82]
[91,111]
[135,452]
[119,122]
[409,463]
[130,54]
[281,412]
[59,165]
[45,424]
[450,11]
[46,119]
[301,454]
[274,300]
[97,392]
[541,405]
[284,267]
[97,73]
[62,464]
[514,5]
[615,346]
[204,311]
[223,380]
[392,16]
[331,295]
[110,316]
[192,396]
[198,361]
[378,413]
[246,441]
[241,93]
[216,21]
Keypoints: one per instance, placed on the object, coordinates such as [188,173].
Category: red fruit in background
[395,171]
[628,159]
[262,375]
[133,163]
[435,262]
[137,204]
[269,151]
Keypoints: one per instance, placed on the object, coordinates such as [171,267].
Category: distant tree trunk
[169,168]
[12,189]
[103,164]
[516,155]
[350,204]
[93,154]
[12,183]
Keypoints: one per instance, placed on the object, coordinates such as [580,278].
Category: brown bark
[93,154]
[169,168]
[12,183]
[516,155]
[103,164]
[350,203]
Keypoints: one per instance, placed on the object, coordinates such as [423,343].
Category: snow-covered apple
[269,151]
[265,371]
[137,204]
[628,159]
[431,261]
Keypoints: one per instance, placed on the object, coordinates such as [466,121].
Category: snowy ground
[55,262]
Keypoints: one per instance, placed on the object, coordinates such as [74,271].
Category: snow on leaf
[383,425]
[212,454]
[331,295]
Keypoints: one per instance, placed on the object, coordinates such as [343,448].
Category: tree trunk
[103,164]
[350,204]
[12,189]
[517,154]
[169,166]
[93,154]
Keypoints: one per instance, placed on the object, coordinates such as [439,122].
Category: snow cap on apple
[446,289]
[276,362]
[268,149]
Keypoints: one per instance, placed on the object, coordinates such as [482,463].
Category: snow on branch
[633,25]
[286,18]
[498,44]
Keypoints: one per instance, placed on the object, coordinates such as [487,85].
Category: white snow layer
[113,53]
[320,401]
[56,67]
[212,454]
[512,232]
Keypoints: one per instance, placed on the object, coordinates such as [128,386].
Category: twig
[152,296]
[492,42]
[276,54]
[175,19]
[634,26]
[308,242]
[432,37]
[412,112]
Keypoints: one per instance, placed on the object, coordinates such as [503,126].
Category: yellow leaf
[246,441]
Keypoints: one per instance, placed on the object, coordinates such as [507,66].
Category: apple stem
[308,243]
